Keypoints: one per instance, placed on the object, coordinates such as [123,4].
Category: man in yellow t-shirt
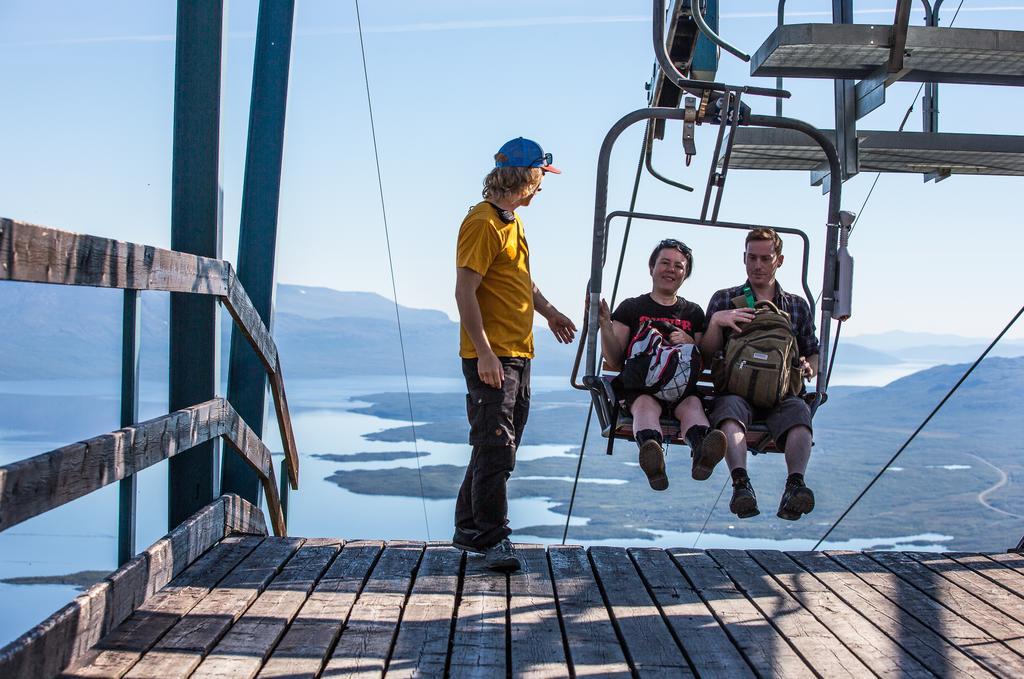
[496,298]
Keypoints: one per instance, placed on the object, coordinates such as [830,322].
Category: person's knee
[645,405]
[798,438]
[690,405]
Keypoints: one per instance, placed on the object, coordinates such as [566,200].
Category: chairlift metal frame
[732,114]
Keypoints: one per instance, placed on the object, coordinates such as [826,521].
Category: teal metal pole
[257,241]
[195,228]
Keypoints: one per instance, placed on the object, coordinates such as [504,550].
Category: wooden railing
[38,484]
[37,254]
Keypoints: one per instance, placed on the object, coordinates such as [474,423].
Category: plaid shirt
[796,306]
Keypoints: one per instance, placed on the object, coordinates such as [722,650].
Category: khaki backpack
[761,362]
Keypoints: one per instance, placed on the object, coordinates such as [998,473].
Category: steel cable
[391,266]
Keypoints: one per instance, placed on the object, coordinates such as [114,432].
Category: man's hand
[562,327]
[732,318]
[806,369]
[680,337]
[604,315]
[488,367]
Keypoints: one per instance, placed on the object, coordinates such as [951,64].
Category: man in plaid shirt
[789,422]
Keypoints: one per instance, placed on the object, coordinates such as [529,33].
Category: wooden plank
[975,582]
[534,630]
[38,254]
[284,423]
[960,632]
[707,646]
[478,645]
[315,629]
[117,652]
[242,517]
[920,640]
[248,320]
[594,648]
[180,651]
[41,483]
[812,640]
[365,644]
[1005,568]
[421,649]
[650,647]
[993,621]
[242,651]
[38,484]
[877,651]
[767,651]
[256,454]
[70,632]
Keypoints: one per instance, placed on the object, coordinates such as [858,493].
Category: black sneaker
[502,557]
[707,450]
[652,461]
[744,502]
[797,500]
[464,541]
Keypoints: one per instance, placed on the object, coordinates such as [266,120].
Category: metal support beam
[128,488]
[195,228]
[898,41]
[845,103]
[257,241]
[930,100]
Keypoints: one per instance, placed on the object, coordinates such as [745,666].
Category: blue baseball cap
[524,153]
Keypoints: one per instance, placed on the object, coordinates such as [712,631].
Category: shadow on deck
[275,607]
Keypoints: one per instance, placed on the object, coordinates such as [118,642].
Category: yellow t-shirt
[498,252]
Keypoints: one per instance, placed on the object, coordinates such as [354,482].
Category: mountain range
[70,332]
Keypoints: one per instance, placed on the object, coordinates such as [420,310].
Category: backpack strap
[739,302]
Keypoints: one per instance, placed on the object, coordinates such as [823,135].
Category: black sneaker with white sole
[502,557]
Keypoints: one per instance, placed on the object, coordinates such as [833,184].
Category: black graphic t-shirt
[684,314]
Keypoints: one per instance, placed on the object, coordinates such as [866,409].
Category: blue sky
[86,144]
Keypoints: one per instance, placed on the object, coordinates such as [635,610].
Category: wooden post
[257,241]
[128,487]
[195,229]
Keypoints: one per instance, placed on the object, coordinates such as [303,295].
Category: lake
[82,535]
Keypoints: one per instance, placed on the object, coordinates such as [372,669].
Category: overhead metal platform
[938,154]
[858,51]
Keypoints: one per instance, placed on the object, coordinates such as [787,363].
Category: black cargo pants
[497,418]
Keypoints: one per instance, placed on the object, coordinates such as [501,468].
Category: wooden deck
[293,607]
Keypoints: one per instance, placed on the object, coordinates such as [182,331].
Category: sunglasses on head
[676,244]
[542,161]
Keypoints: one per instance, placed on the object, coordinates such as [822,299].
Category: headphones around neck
[506,216]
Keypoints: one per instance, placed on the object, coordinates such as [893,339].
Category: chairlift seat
[759,440]
[857,51]
[939,153]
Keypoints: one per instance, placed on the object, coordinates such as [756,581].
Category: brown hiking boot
[707,451]
[652,461]
[744,502]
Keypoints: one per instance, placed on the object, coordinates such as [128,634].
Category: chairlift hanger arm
[698,18]
[648,151]
[695,86]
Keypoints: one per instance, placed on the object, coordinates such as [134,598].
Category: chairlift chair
[719,104]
